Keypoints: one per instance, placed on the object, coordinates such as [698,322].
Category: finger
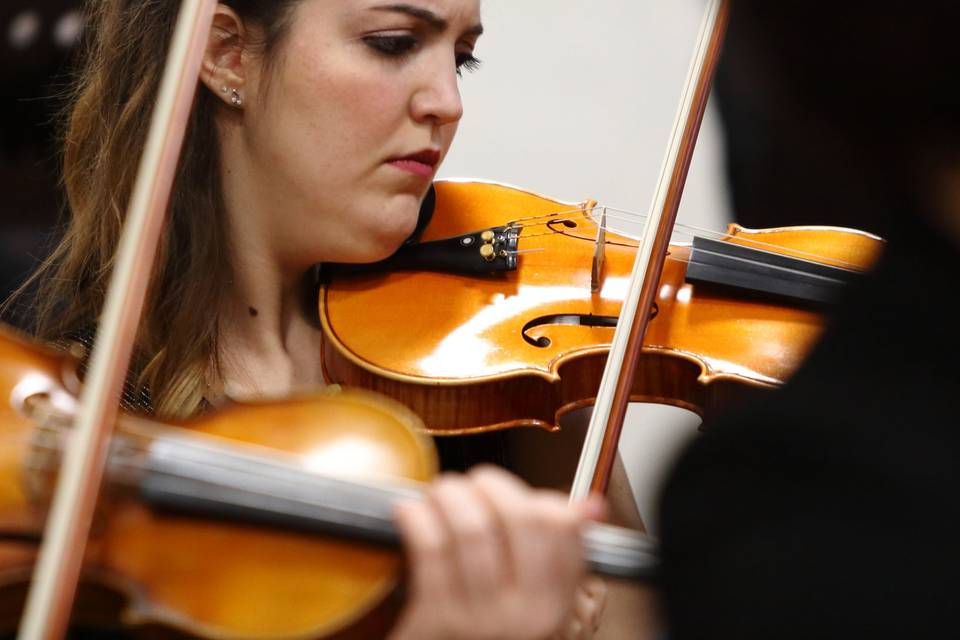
[590,603]
[427,547]
[510,500]
[477,541]
[596,587]
[573,630]
[543,543]
[594,507]
[565,523]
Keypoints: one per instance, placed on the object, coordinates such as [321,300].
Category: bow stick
[603,435]
[55,577]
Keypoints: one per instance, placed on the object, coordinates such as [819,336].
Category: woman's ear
[224,70]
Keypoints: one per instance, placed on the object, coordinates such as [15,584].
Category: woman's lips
[423,163]
[413,166]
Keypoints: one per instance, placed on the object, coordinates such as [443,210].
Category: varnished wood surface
[25,370]
[451,348]
[162,573]
[224,580]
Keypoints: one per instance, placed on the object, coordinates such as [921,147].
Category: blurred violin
[503,315]
[244,522]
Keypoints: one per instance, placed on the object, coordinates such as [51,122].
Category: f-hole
[572,319]
[568,224]
[562,227]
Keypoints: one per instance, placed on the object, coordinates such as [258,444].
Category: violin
[227,525]
[203,473]
[504,314]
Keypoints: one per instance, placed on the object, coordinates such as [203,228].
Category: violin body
[478,353]
[199,576]
[260,520]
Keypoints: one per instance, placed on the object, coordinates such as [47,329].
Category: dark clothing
[832,509]
[460,453]
[783,167]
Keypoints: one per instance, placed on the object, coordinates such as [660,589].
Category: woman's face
[345,130]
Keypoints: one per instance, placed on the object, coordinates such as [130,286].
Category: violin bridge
[596,273]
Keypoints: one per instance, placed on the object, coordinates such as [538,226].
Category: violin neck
[765,272]
[190,475]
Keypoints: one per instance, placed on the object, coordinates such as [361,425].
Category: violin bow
[603,435]
[57,572]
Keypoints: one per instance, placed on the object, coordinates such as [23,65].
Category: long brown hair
[108,113]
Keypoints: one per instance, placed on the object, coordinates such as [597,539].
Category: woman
[317,130]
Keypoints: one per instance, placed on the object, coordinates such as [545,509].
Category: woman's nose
[438,98]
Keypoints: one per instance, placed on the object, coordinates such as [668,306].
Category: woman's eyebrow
[432,19]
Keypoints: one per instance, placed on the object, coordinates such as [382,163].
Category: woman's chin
[386,240]
[380,254]
[378,237]
[382,245]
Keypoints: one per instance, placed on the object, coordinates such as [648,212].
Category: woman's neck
[269,347]
[268,344]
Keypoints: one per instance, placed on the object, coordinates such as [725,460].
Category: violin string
[395,489]
[552,214]
[750,262]
[350,492]
[749,243]
[372,500]
[740,259]
[725,256]
[631,216]
[612,212]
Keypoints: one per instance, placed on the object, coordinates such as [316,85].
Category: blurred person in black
[830,510]
[782,162]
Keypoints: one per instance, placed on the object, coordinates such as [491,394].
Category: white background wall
[575,100]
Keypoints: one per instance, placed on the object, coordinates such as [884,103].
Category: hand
[584,621]
[490,558]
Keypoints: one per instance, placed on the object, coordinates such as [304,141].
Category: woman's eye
[393,46]
[467,62]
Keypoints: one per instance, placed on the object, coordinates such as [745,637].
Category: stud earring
[236,99]
[224,89]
